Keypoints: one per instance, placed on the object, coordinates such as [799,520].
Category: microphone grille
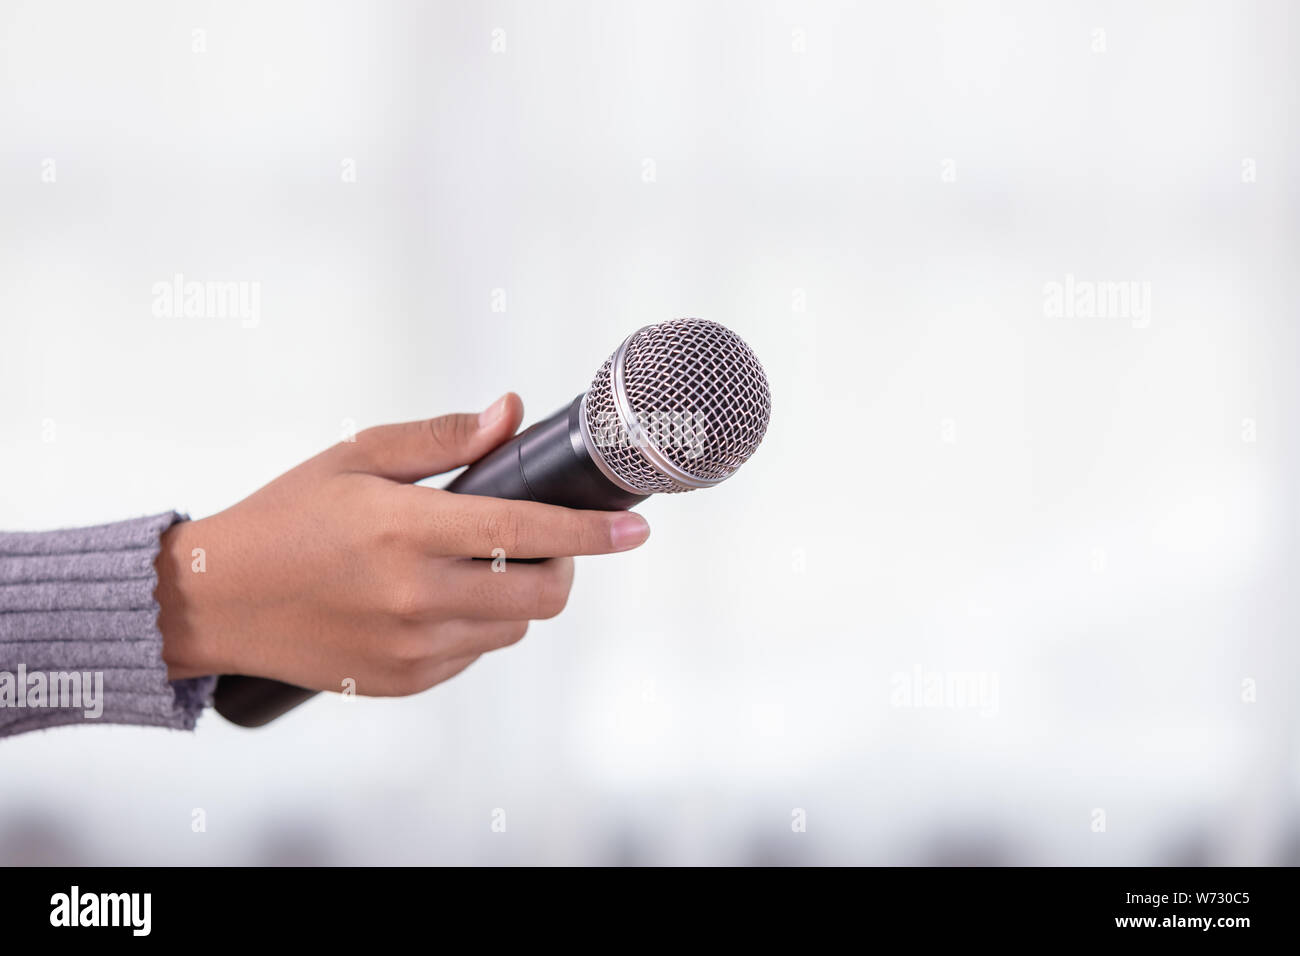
[680,405]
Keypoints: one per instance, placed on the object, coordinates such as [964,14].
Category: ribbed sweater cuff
[79,630]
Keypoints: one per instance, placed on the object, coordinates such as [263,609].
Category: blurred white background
[1094,514]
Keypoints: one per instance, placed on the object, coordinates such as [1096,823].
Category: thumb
[415,450]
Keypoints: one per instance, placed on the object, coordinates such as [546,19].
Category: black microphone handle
[548,462]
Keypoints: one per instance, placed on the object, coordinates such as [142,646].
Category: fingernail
[492,414]
[628,530]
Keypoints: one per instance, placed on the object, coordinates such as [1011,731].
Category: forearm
[82,602]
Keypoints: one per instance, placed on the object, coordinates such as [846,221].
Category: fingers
[474,526]
[418,677]
[446,650]
[468,638]
[446,670]
[411,451]
[524,592]
[425,654]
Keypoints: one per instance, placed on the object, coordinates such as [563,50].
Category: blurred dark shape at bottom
[1289,854]
[1190,849]
[789,849]
[626,846]
[32,837]
[295,842]
[973,848]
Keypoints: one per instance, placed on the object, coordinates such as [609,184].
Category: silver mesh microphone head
[679,405]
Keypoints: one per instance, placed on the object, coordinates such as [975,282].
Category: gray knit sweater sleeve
[79,639]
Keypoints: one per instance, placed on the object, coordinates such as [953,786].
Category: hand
[341,568]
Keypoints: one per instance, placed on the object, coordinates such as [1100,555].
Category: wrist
[186,651]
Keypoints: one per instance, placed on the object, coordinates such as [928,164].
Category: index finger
[452,524]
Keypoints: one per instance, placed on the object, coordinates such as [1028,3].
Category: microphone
[679,406]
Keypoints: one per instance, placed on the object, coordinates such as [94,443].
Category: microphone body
[677,407]
[549,462]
